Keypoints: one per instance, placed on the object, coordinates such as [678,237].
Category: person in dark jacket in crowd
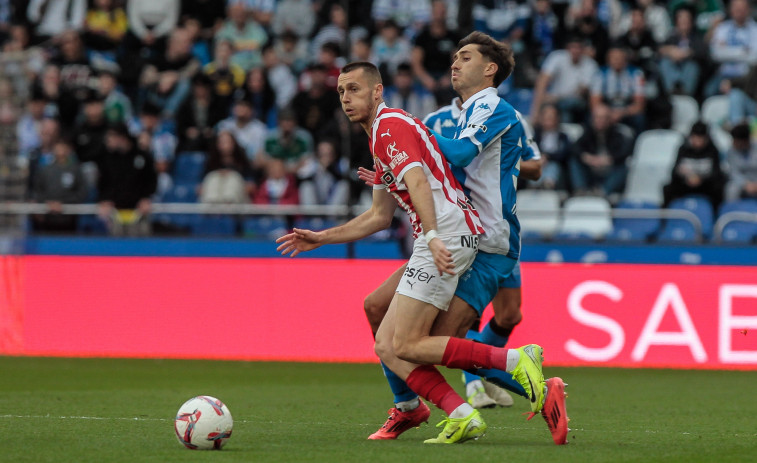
[697,169]
[60,182]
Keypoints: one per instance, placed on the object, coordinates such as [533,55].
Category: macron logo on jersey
[396,157]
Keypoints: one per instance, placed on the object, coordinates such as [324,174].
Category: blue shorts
[481,282]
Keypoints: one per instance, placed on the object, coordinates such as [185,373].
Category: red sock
[427,382]
[467,355]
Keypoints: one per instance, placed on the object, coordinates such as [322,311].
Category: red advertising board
[311,310]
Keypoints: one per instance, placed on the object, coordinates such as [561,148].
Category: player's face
[357,95]
[469,69]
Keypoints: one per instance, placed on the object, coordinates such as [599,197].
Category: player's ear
[378,91]
[491,69]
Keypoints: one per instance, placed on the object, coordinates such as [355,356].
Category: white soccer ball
[203,423]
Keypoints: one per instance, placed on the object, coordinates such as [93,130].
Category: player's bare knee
[403,349]
[382,349]
[509,319]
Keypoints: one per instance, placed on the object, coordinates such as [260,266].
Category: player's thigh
[413,319]
[481,282]
[377,302]
[385,332]
[456,320]
[421,280]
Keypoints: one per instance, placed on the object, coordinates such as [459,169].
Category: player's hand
[366,175]
[442,257]
[298,241]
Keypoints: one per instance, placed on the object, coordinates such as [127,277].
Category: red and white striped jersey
[400,142]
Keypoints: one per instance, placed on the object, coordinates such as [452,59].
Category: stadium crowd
[128,102]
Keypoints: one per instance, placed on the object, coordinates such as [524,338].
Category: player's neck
[467,93]
[367,125]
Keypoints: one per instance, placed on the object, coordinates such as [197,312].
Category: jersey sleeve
[488,122]
[396,145]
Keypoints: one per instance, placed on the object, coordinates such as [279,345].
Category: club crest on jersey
[477,127]
[396,157]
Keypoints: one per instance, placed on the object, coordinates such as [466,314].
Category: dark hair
[497,52]
[699,128]
[369,69]
[332,47]
[740,132]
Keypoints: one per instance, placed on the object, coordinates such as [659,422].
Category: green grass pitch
[113,410]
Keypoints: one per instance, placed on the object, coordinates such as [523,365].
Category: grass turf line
[96,410]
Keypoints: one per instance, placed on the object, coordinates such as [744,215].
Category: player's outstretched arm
[531,169]
[423,200]
[377,218]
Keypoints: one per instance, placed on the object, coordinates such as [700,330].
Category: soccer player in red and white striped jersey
[411,168]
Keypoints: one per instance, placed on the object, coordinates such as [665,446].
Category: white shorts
[421,280]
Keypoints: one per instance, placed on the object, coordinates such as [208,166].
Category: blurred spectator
[607,12]
[390,48]
[200,46]
[53,17]
[292,51]
[433,50]
[292,145]
[317,105]
[154,136]
[503,20]
[209,14]
[682,56]
[10,112]
[582,21]
[335,31]
[19,62]
[260,93]
[541,32]
[327,186]
[127,181]
[118,108]
[74,64]
[227,175]
[639,43]
[197,116]
[697,169]
[28,126]
[248,131]
[564,81]
[247,36]
[89,132]
[295,16]
[105,26]
[360,50]
[225,76]
[555,147]
[166,79]
[742,165]
[598,162]
[733,45]
[42,155]
[408,95]
[742,98]
[655,18]
[279,187]
[621,87]
[410,16]
[281,74]
[707,13]
[261,11]
[60,101]
[151,22]
[60,182]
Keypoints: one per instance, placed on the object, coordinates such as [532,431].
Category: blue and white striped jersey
[489,142]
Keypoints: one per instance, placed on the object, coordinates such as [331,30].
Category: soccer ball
[203,423]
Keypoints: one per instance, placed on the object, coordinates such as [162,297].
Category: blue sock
[488,336]
[402,393]
[502,379]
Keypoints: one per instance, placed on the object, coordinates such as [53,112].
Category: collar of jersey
[477,95]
